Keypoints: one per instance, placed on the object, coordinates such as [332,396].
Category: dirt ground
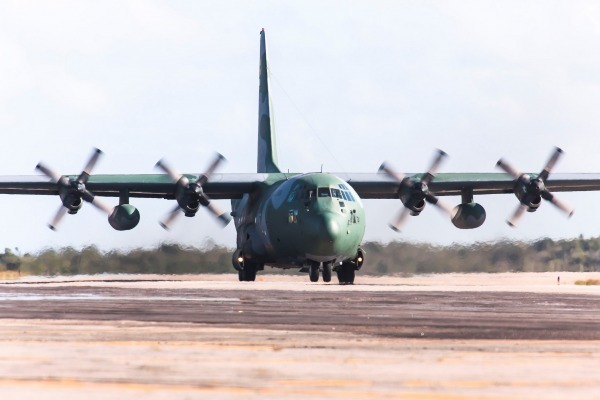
[458,336]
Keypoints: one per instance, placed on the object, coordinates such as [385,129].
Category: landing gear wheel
[313,272]
[248,274]
[326,272]
[346,273]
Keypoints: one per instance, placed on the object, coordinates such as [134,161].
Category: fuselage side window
[310,194]
[324,192]
[336,193]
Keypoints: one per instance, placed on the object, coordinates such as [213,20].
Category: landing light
[360,259]
[240,259]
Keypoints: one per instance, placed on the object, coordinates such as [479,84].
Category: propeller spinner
[190,195]
[72,192]
[414,193]
[530,191]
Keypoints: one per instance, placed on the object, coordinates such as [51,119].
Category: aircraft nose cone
[331,228]
[323,235]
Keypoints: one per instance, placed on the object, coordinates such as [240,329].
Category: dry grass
[9,275]
[587,282]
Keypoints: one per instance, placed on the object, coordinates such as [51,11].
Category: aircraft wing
[233,186]
[220,186]
[381,186]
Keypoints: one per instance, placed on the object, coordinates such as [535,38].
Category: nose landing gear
[315,268]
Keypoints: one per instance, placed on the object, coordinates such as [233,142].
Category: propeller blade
[168,221]
[439,204]
[385,167]
[509,169]
[550,164]
[400,219]
[564,207]
[87,170]
[222,217]
[514,220]
[174,175]
[57,218]
[202,179]
[56,177]
[435,165]
[96,202]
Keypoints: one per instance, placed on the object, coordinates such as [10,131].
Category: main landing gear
[246,268]
[247,274]
[346,273]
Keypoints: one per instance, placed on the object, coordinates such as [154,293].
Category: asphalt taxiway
[459,336]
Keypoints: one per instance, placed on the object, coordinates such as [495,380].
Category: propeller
[414,193]
[530,191]
[190,195]
[72,192]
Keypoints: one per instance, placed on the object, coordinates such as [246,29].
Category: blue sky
[372,81]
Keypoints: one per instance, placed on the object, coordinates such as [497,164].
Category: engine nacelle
[530,194]
[468,216]
[413,199]
[124,217]
[72,202]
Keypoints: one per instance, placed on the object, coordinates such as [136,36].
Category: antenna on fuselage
[321,168]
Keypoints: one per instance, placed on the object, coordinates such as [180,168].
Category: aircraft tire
[346,274]
[326,272]
[247,275]
[313,272]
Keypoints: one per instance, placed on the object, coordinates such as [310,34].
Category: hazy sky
[373,81]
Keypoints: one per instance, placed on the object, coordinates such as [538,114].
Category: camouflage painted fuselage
[291,220]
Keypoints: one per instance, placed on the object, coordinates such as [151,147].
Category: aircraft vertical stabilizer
[267,151]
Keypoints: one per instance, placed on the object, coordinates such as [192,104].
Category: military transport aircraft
[312,221]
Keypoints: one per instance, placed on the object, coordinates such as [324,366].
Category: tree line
[381,259]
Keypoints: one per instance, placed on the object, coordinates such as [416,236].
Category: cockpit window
[336,193]
[324,192]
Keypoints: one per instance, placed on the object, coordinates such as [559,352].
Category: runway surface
[458,336]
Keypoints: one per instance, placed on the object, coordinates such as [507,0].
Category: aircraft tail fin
[267,151]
